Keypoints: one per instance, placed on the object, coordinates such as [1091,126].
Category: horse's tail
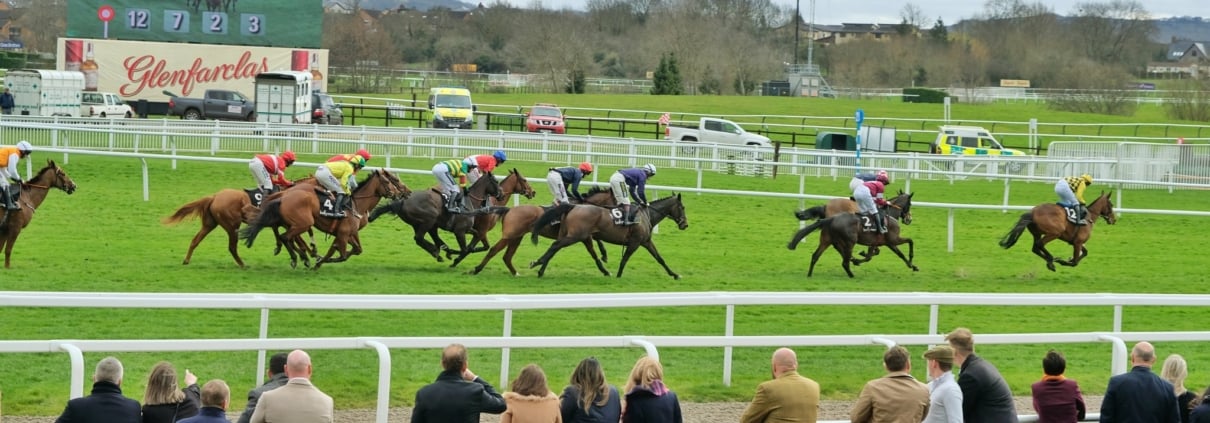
[1011,238]
[817,212]
[395,206]
[802,233]
[195,208]
[270,215]
[550,216]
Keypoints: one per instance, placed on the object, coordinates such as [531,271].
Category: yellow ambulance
[452,108]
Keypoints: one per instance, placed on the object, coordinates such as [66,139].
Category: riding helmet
[25,147]
[288,156]
[364,154]
[649,168]
[882,172]
[500,157]
[883,178]
[1087,178]
[586,167]
[358,162]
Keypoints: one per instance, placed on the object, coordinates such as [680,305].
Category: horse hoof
[915,269]
[676,277]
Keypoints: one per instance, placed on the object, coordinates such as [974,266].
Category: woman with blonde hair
[164,401]
[648,400]
[1175,371]
[530,401]
[588,399]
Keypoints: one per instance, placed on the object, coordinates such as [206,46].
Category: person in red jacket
[347,157]
[269,171]
[482,163]
[1057,399]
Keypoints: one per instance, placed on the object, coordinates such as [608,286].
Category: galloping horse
[899,208]
[1048,222]
[519,220]
[844,231]
[298,210]
[581,222]
[33,193]
[514,183]
[426,212]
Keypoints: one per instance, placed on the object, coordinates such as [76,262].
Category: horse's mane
[596,190]
[49,166]
[369,175]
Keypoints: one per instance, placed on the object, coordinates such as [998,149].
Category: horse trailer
[283,97]
[38,92]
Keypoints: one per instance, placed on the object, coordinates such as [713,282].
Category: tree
[667,78]
[939,34]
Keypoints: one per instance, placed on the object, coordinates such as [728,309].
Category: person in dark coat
[589,399]
[647,399]
[1139,396]
[7,102]
[1201,408]
[985,395]
[277,378]
[216,396]
[106,403]
[1057,399]
[457,396]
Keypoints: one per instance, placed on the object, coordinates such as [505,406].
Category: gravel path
[694,412]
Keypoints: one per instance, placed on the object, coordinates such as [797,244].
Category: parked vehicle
[38,92]
[545,118]
[104,105]
[325,111]
[452,108]
[283,97]
[715,131]
[969,140]
[214,104]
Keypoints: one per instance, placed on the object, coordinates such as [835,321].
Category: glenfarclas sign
[145,70]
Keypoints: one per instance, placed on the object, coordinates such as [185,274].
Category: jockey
[565,182]
[870,199]
[269,171]
[9,156]
[1071,194]
[631,182]
[484,163]
[346,157]
[337,177]
[445,172]
[862,178]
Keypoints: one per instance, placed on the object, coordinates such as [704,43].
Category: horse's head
[52,176]
[519,184]
[487,186]
[900,207]
[400,190]
[677,212]
[1103,207]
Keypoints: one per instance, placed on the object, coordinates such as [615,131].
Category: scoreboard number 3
[253,24]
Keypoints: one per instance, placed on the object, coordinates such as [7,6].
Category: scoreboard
[269,23]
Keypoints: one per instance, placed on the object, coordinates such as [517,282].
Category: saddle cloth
[1072,212]
[619,216]
[256,196]
[867,223]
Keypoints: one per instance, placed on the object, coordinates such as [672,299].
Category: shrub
[923,95]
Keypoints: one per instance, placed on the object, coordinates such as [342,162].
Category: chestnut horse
[33,193]
[844,231]
[579,223]
[298,210]
[1048,222]
[426,212]
[519,220]
[899,207]
[514,183]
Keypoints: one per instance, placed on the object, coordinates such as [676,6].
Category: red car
[545,118]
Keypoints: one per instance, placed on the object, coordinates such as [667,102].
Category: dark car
[325,111]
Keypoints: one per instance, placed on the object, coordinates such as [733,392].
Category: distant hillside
[1185,28]
[423,5]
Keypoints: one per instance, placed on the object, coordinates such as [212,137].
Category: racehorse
[514,183]
[844,231]
[426,212]
[899,207]
[1048,222]
[298,210]
[581,222]
[519,220]
[33,192]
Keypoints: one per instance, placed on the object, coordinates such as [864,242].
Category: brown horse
[844,231]
[1048,222]
[298,210]
[514,183]
[519,220]
[899,207]
[581,222]
[426,212]
[33,193]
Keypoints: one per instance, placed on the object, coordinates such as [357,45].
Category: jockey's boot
[342,203]
[1082,213]
[453,203]
[631,211]
[880,221]
[9,201]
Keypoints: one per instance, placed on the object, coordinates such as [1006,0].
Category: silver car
[325,111]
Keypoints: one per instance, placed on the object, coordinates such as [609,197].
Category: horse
[581,222]
[228,208]
[519,220]
[899,207]
[214,5]
[426,212]
[514,183]
[196,5]
[844,231]
[229,5]
[33,193]
[298,210]
[1048,222]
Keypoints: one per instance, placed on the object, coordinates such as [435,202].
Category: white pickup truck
[103,105]
[715,131]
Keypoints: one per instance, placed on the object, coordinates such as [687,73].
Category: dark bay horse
[33,193]
[1048,222]
[426,212]
[518,221]
[844,231]
[898,208]
[298,210]
[581,222]
[514,183]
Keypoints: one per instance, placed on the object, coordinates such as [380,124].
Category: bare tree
[1117,31]
[46,22]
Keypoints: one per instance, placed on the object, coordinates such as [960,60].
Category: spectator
[7,102]
[1057,399]
[1139,396]
[648,400]
[588,399]
[945,397]
[985,395]
[277,378]
[457,396]
[106,403]
[1201,408]
[298,401]
[216,396]
[788,397]
[896,397]
[1175,371]
[165,401]
[530,400]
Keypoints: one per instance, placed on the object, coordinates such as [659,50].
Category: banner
[269,23]
[143,70]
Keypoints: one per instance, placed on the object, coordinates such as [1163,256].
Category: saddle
[1075,214]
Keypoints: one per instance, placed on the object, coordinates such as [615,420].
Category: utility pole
[797,25]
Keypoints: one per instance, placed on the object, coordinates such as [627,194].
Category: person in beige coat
[298,401]
[789,397]
[530,400]
[895,398]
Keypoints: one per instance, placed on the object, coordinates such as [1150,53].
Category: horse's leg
[845,248]
[428,247]
[600,263]
[7,243]
[1078,253]
[626,252]
[197,239]
[650,246]
[895,248]
[356,241]
[823,246]
[601,247]
[550,253]
[1040,250]
[232,245]
[510,252]
[500,245]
